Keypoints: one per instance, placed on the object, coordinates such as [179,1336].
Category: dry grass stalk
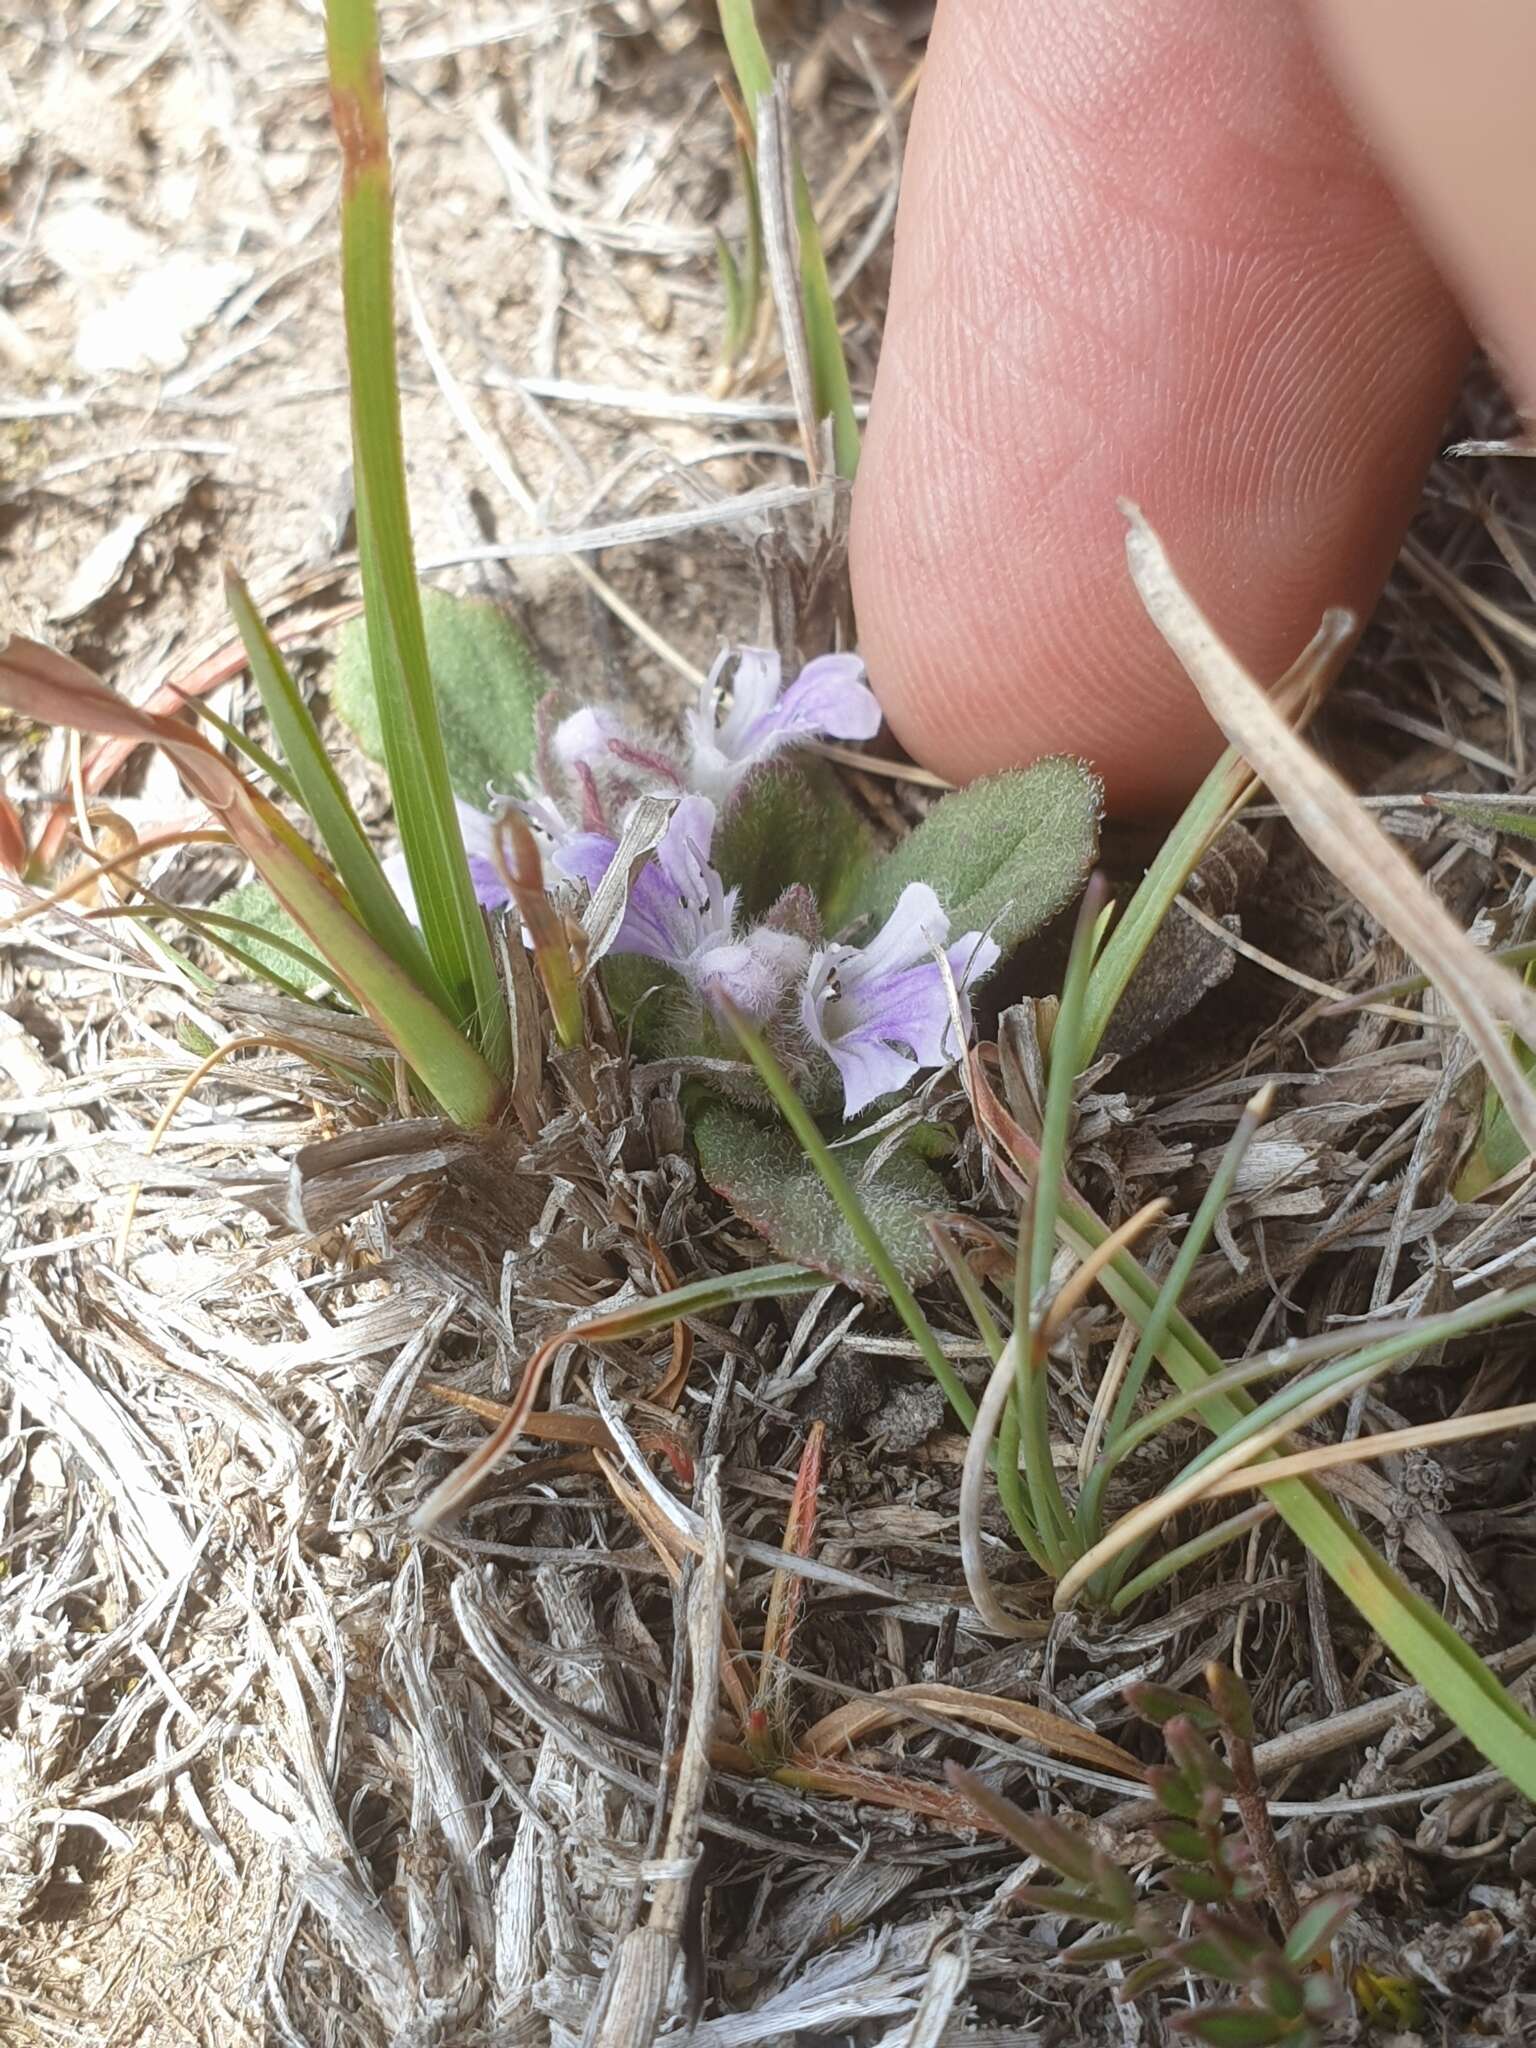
[1325,814]
[635,1989]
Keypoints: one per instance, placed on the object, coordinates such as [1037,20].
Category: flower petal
[677,903]
[908,1007]
[754,694]
[584,736]
[491,891]
[883,1012]
[585,857]
[684,849]
[914,928]
[829,699]
[869,1070]
[477,829]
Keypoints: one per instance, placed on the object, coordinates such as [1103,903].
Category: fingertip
[1106,298]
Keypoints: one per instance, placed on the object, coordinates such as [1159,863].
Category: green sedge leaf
[452,924]
[829,369]
[324,799]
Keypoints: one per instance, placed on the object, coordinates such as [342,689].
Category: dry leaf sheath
[1343,835]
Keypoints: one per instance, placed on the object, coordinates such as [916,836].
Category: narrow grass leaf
[451,920]
[884,1267]
[1217,801]
[42,684]
[325,800]
[1452,1674]
[829,369]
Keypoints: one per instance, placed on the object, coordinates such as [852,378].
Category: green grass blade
[736,322]
[442,1058]
[224,931]
[1185,1554]
[1316,1392]
[842,1191]
[1218,799]
[324,799]
[1010,1486]
[1037,1245]
[1425,1645]
[829,368]
[451,921]
[703,1297]
[1168,1298]
[1368,1351]
[1203,818]
[252,750]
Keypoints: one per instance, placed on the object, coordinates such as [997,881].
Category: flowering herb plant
[761,897]
[869,1013]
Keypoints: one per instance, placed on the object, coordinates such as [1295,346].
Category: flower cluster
[880,1012]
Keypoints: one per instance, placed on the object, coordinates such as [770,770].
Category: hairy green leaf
[791,823]
[487,682]
[1004,855]
[767,1178]
[254,903]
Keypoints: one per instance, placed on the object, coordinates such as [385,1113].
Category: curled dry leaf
[857,1719]
[1485,996]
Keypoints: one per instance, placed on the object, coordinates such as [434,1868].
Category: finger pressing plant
[1226,1915]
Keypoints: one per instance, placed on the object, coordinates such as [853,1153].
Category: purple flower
[829,699]
[881,1012]
[681,913]
[478,831]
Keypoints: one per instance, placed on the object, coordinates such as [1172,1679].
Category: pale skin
[1223,257]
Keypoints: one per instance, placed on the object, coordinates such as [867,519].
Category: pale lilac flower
[594,767]
[881,1012]
[681,913]
[829,699]
[478,831]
